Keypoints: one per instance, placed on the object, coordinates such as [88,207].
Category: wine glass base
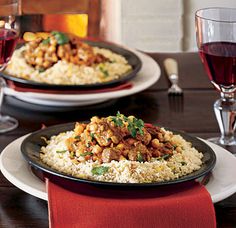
[230,146]
[7,123]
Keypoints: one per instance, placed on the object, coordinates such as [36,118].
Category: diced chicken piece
[110,154]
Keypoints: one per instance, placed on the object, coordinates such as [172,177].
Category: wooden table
[192,113]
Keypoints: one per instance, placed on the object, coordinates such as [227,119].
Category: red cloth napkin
[85,206]
[24,88]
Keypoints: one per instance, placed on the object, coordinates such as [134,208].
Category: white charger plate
[221,185]
[146,77]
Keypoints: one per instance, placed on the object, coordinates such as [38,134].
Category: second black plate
[32,144]
[130,56]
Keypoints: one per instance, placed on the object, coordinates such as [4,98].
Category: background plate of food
[148,75]
[118,151]
[63,61]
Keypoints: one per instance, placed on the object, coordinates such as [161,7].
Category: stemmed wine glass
[216,40]
[8,39]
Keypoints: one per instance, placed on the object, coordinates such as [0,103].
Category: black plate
[31,145]
[132,59]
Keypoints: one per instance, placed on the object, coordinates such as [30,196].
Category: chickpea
[54,57]
[39,61]
[125,153]
[120,146]
[109,133]
[115,139]
[60,52]
[44,47]
[53,40]
[93,127]
[155,143]
[52,49]
[95,119]
[160,136]
[122,158]
[97,149]
[46,64]
[40,53]
[67,56]
[47,56]
[79,128]
[178,149]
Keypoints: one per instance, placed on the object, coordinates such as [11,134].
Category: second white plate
[146,77]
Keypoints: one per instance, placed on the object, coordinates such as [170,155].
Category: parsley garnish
[118,122]
[140,157]
[134,125]
[46,41]
[86,153]
[104,71]
[165,156]
[77,137]
[99,170]
[92,135]
[61,151]
[60,37]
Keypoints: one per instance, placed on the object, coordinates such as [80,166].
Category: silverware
[171,67]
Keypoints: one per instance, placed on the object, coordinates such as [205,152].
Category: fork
[171,67]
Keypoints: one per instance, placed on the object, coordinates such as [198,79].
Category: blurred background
[148,25]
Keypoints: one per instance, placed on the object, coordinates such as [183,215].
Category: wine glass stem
[225,111]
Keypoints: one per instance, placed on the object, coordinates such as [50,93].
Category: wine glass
[8,39]
[216,40]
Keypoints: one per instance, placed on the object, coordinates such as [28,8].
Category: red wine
[219,59]
[8,40]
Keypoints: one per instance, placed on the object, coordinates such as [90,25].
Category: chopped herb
[41,69]
[140,157]
[77,137]
[134,125]
[132,130]
[72,155]
[99,170]
[92,135]
[165,156]
[118,122]
[61,151]
[183,163]
[60,37]
[86,153]
[46,41]
[104,71]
